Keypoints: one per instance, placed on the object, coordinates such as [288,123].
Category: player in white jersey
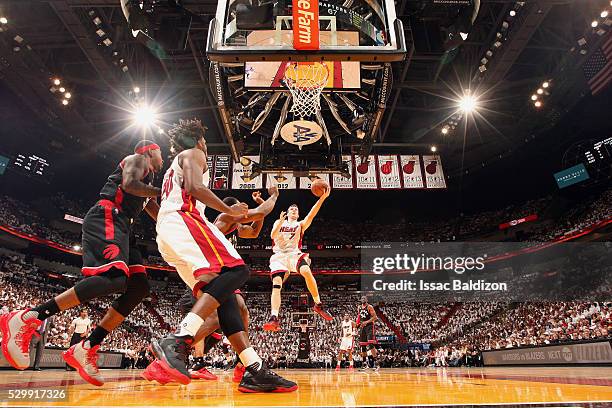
[346,342]
[288,257]
[205,260]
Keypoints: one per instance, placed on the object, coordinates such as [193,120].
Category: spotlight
[434,149]
[467,103]
[145,116]
[538,104]
[484,61]
[107,42]
[512,13]
[497,44]
[604,14]
[136,89]
[100,32]
[445,130]
[482,68]
[65,102]
[540,91]
[62,89]
[68,95]
[594,23]
[545,84]
[3,20]
[97,21]
[76,247]
[534,97]
[56,81]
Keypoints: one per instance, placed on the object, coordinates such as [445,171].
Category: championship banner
[512,223]
[241,179]
[340,182]
[412,176]
[306,182]
[220,179]
[434,175]
[389,174]
[283,181]
[209,163]
[366,174]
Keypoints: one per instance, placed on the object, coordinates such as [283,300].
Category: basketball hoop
[306,81]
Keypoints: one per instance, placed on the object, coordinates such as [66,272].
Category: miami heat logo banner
[366,173]
[220,179]
[242,174]
[412,176]
[306,182]
[434,176]
[281,180]
[209,162]
[340,182]
[388,172]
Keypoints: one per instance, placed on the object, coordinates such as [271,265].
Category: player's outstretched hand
[283,216]
[239,210]
[257,197]
[273,191]
[326,193]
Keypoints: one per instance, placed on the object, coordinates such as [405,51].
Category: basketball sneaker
[203,374]
[173,352]
[318,308]
[337,368]
[17,330]
[272,325]
[238,373]
[154,372]
[85,359]
[262,379]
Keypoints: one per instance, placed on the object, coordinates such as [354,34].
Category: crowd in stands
[457,331]
[25,218]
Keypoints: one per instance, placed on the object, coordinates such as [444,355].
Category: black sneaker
[173,353]
[198,364]
[265,380]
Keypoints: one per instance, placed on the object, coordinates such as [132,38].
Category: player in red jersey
[110,265]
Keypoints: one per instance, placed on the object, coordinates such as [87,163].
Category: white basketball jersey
[347,329]
[174,197]
[289,238]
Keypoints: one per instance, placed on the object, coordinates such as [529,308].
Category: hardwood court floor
[389,387]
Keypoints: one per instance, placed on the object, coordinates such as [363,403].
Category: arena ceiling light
[145,116]
[468,103]
[3,20]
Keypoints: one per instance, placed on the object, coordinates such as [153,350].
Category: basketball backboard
[304,30]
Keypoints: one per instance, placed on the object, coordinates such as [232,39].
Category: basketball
[318,187]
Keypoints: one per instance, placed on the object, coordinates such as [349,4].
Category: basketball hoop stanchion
[306,81]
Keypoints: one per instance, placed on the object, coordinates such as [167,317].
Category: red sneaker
[337,368]
[318,308]
[273,324]
[203,374]
[154,372]
[238,372]
[17,333]
[85,361]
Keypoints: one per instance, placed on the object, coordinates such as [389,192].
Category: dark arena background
[459,254]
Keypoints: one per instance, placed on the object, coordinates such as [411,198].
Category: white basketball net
[305,82]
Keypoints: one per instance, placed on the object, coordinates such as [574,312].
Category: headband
[144,149]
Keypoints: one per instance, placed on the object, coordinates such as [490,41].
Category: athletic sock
[43,311]
[97,335]
[275,312]
[317,299]
[190,325]
[251,360]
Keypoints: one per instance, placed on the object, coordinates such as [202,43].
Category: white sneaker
[85,360]
[17,333]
